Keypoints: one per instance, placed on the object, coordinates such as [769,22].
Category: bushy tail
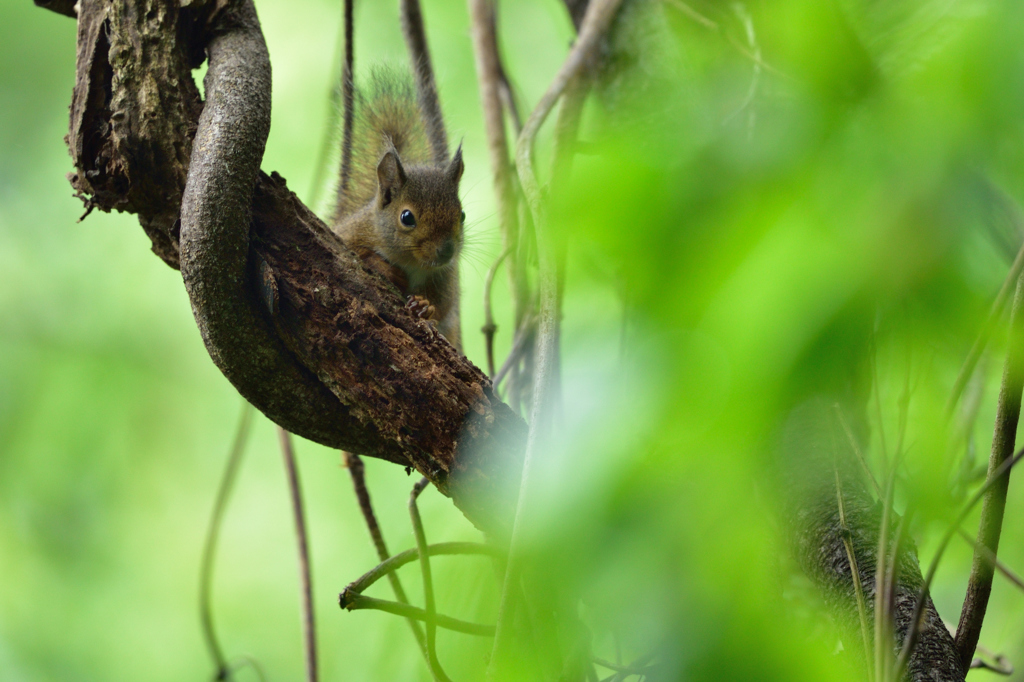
[386,114]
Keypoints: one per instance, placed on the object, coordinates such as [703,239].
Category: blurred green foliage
[808,197]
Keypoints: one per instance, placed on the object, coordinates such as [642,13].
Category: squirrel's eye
[463,216]
[407,218]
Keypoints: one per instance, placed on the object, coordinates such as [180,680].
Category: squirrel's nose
[447,250]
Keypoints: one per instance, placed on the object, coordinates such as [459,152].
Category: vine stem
[428,581]
[490,328]
[357,602]
[595,24]
[426,88]
[979,586]
[392,564]
[305,575]
[348,101]
[227,482]
[989,556]
[998,305]
[911,639]
[495,98]
[357,470]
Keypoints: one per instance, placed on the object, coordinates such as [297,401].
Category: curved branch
[215,213]
[360,602]
[394,563]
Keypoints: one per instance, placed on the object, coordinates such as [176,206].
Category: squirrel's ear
[390,177]
[455,168]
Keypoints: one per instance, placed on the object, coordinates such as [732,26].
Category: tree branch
[428,581]
[359,602]
[302,538]
[210,545]
[357,470]
[426,87]
[812,459]
[65,7]
[979,586]
[348,102]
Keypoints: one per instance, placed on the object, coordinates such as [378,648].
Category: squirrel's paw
[421,307]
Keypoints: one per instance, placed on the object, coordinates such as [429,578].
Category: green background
[749,263]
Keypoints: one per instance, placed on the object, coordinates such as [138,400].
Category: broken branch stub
[321,346]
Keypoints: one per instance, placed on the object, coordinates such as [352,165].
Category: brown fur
[392,173]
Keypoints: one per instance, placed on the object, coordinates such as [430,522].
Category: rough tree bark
[819,469]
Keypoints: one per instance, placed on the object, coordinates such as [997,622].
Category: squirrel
[398,210]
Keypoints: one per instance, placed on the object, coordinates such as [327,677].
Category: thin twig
[428,581]
[878,403]
[227,482]
[595,24]
[903,410]
[508,99]
[493,84]
[305,575]
[851,557]
[426,87]
[360,602]
[994,313]
[713,25]
[244,662]
[629,670]
[694,14]
[357,470]
[911,638]
[891,580]
[566,128]
[410,555]
[348,101]
[520,343]
[490,328]
[748,27]
[883,652]
[979,586]
[329,137]
[857,452]
[1001,666]
[991,558]
[639,663]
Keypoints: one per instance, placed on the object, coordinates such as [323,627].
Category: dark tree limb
[318,344]
[815,461]
[577,10]
[65,7]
